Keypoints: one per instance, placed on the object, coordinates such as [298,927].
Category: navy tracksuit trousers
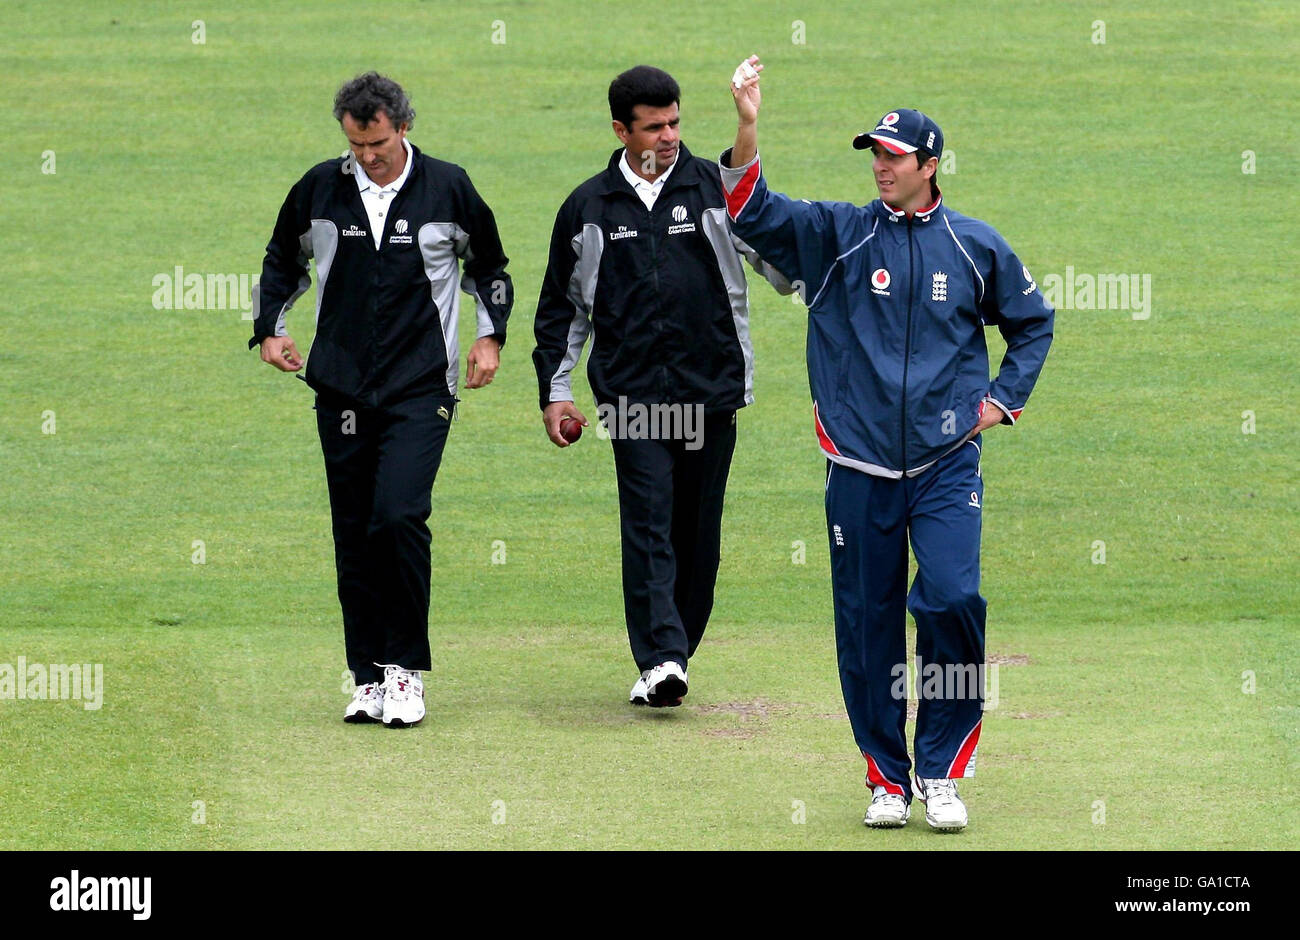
[381,464]
[869,520]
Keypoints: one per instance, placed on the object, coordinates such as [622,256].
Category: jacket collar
[685,173]
[921,215]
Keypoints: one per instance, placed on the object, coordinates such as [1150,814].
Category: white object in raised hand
[744,72]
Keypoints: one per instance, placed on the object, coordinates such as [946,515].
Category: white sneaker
[665,685]
[403,697]
[887,810]
[639,694]
[367,704]
[944,809]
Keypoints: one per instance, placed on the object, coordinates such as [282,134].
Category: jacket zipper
[654,245]
[907,344]
[654,261]
[378,256]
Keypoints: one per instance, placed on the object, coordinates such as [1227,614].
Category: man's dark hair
[922,155]
[642,84]
[367,95]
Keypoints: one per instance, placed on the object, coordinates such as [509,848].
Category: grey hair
[367,95]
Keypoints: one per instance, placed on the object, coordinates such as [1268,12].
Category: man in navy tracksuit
[898,295]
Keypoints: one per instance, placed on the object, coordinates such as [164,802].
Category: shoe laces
[940,791]
[398,683]
[881,796]
[368,690]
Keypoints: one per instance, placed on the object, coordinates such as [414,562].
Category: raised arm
[797,238]
[744,89]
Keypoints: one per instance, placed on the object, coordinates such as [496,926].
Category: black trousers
[670,512]
[380,464]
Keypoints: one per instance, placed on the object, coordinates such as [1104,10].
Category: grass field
[1137,697]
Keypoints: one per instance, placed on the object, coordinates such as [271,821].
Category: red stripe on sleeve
[737,198]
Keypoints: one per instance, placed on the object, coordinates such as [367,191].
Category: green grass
[223,680]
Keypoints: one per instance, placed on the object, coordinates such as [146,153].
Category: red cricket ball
[570,429]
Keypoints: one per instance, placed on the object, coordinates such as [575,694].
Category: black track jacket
[386,319]
[663,290]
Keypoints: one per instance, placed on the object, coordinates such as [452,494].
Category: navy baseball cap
[903,131]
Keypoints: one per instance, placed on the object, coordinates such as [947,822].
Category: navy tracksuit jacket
[898,368]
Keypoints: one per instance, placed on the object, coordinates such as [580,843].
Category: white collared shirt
[647,190]
[377,199]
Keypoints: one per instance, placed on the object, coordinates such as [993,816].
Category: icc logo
[400,227]
[880,279]
[679,213]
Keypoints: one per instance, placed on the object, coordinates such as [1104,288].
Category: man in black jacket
[643,257]
[386,225]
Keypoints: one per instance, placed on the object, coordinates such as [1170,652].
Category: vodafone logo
[880,282]
[1030,278]
[889,123]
